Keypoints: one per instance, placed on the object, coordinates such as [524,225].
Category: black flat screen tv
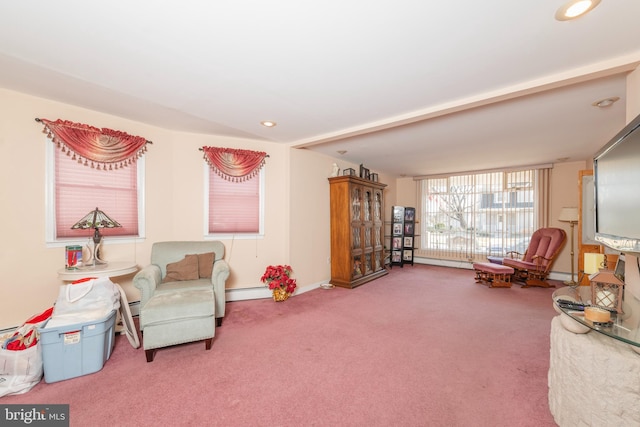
[617,191]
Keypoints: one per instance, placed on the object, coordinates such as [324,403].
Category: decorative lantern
[606,290]
[349,172]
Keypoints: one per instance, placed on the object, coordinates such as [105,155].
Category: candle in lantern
[605,298]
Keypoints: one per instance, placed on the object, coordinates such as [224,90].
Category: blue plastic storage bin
[71,351]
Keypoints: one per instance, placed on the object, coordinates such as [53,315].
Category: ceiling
[411,87]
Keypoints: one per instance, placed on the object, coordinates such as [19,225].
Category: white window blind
[80,189]
[234,207]
[474,215]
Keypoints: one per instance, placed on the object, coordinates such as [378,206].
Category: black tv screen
[617,190]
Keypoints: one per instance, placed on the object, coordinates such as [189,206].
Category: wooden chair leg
[207,343]
[539,283]
[150,354]
[538,279]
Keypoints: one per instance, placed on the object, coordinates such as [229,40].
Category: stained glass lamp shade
[96,219]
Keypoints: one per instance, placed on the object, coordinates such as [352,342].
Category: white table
[111,269]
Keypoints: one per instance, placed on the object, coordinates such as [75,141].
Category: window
[234,208]
[75,189]
[475,215]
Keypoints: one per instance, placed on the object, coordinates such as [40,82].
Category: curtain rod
[40,121]
[200,149]
[509,169]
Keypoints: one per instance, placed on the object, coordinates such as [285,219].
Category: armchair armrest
[540,261]
[146,280]
[515,255]
[219,277]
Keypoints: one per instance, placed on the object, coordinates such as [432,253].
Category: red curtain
[234,164]
[100,148]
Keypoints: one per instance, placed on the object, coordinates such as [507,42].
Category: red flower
[278,276]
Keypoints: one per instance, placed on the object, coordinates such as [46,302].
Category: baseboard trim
[262,292]
[553,275]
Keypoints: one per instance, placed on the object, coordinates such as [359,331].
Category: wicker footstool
[495,275]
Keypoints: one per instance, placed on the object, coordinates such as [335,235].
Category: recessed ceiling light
[575,8]
[268,123]
[607,102]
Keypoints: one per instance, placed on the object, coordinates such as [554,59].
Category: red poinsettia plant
[278,276]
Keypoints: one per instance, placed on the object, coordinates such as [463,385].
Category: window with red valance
[92,167]
[235,190]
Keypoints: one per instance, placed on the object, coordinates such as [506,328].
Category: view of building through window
[478,214]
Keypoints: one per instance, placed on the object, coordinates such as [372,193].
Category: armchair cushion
[185,269]
[171,307]
[205,264]
[149,279]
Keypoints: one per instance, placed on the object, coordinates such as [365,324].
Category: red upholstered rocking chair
[533,267]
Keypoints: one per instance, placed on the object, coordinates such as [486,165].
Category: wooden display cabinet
[357,231]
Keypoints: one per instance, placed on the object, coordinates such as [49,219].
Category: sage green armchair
[178,304]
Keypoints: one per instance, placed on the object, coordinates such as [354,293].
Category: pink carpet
[423,346]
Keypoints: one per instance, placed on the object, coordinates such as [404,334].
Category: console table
[594,376]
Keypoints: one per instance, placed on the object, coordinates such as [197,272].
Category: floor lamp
[570,215]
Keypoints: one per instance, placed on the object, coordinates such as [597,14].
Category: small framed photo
[398,213]
[349,171]
[408,228]
[409,214]
[408,242]
[407,255]
[364,172]
[396,256]
[397,229]
[397,243]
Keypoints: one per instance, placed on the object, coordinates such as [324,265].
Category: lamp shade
[568,215]
[95,219]
[593,263]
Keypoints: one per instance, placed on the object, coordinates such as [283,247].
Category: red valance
[234,164]
[101,148]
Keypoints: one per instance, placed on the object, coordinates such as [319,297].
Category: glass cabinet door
[368,239]
[378,261]
[357,269]
[356,203]
[368,263]
[356,239]
[377,236]
[368,204]
[377,206]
